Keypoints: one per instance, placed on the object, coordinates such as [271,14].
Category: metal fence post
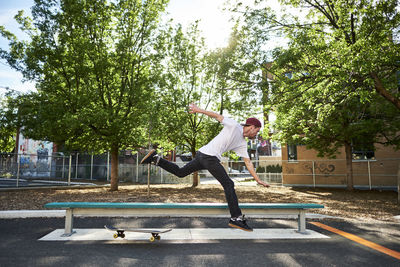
[108,166]
[162,173]
[313,172]
[51,159]
[137,166]
[69,169]
[369,175]
[76,166]
[63,168]
[18,163]
[148,180]
[91,168]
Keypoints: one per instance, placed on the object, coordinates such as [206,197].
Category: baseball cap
[252,121]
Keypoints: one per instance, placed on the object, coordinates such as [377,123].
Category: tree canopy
[8,122]
[336,79]
[193,73]
[110,76]
[95,67]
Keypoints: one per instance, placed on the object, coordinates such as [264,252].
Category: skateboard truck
[154,236]
[119,233]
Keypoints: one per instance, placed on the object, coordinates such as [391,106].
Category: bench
[178,209]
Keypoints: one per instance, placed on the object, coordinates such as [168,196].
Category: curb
[21,214]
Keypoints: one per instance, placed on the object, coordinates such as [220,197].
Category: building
[371,169]
[376,167]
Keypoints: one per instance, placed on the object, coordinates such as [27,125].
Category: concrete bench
[178,209]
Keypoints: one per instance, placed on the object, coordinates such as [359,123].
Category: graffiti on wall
[322,168]
[35,157]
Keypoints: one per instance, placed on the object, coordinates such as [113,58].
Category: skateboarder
[231,138]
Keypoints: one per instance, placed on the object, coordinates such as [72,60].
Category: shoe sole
[148,155]
[238,227]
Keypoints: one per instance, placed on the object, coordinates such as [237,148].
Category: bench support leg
[302,221]
[69,223]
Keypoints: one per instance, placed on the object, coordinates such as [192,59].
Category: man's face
[251,132]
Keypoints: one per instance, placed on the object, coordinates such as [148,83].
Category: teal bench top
[152,205]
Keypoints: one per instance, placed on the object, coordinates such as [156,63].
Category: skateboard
[120,232]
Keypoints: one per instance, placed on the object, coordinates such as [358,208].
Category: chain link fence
[22,169]
[367,174]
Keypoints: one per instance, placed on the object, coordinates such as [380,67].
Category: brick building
[371,169]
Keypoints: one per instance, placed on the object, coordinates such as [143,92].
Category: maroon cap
[252,121]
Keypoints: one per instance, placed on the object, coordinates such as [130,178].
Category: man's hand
[263,183]
[193,108]
[250,168]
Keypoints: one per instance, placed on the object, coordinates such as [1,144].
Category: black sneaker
[240,223]
[149,157]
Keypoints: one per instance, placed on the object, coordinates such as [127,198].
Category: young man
[232,137]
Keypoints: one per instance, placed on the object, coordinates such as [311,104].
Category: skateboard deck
[120,232]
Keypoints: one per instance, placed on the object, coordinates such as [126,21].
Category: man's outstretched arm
[250,168]
[195,109]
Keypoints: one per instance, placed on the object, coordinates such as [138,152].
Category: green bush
[260,169]
[270,168]
[274,168]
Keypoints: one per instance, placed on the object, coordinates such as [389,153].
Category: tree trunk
[349,167]
[114,168]
[196,178]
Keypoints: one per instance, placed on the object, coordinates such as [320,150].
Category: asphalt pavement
[20,245]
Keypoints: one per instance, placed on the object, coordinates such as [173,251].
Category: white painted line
[185,234]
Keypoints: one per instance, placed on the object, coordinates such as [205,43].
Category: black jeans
[213,165]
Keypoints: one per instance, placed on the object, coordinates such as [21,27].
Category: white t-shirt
[229,139]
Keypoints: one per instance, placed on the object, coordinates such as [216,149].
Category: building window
[292,152]
[363,150]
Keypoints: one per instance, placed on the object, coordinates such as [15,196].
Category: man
[231,138]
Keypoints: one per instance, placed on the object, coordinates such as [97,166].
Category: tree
[208,78]
[8,123]
[339,58]
[251,36]
[238,76]
[186,78]
[361,37]
[328,127]
[94,63]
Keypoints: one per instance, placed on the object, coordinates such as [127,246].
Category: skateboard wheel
[115,235]
[122,235]
[158,237]
[152,239]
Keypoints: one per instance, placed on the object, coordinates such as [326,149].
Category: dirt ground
[359,205]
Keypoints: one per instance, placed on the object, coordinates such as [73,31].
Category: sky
[214,23]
